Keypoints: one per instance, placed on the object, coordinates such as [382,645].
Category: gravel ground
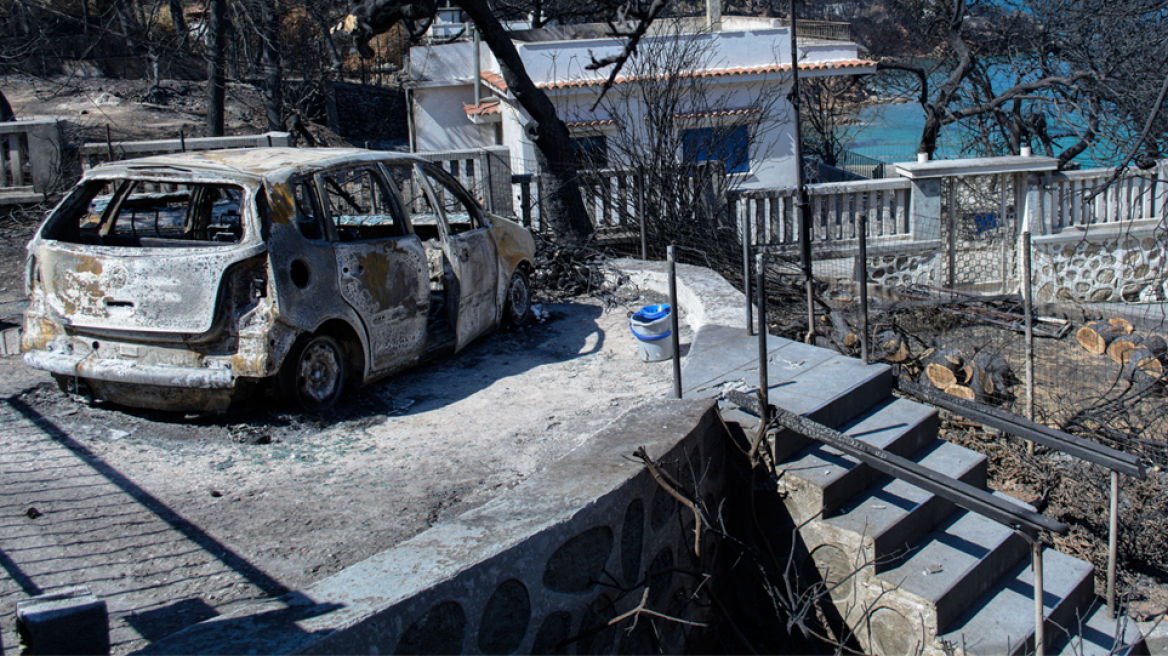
[173,519]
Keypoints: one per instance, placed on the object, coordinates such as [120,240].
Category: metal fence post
[862,278]
[763,376]
[641,213]
[673,332]
[746,271]
[952,277]
[1112,542]
[1039,625]
[1028,309]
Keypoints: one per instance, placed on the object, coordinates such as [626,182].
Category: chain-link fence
[947,252]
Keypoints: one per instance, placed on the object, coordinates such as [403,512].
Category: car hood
[150,290]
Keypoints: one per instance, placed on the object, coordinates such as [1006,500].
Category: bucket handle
[648,338]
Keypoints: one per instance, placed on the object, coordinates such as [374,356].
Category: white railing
[835,208]
[94,153]
[485,172]
[30,156]
[1078,199]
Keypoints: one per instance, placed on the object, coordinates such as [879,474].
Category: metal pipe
[964,495]
[1112,543]
[862,275]
[641,214]
[478,70]
[1039,625]
[763,376]
[800,187]
[1028,311]
[746,271]
[674,337]
[1027,430]
[952,233]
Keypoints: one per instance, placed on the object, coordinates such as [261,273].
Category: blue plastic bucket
[650,325]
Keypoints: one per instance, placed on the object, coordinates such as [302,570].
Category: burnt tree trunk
[6,113]
[176,18]
[273,75]
[216,65]
[563,202]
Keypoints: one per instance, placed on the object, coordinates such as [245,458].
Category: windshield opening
[138,213]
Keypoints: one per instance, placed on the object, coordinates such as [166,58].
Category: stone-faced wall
[542,569]
[1101,265]
[911,268]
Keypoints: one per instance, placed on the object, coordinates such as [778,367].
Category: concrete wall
[539,569]
[1106,263]
[441,123]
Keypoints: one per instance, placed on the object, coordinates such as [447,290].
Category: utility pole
[801,213]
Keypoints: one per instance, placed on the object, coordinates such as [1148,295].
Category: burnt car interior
[140,213]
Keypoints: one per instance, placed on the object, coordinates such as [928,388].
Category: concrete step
[1095,633]
[820,479]
[953,565]
[1002,620]
[832,393]
[892,515]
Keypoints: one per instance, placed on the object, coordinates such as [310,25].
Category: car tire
[312,376]
[518,309]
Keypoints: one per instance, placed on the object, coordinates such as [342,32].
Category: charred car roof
[248,163]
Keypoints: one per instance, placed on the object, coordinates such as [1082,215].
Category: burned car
[185,281]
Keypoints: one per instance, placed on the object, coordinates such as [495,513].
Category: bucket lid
[652,312]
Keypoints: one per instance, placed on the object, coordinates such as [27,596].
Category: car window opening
[143,213]
[360,206]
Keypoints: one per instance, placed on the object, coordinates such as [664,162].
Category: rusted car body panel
[194,275]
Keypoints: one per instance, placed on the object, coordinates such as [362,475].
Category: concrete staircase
[907,571]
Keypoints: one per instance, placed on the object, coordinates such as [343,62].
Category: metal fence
[959,254]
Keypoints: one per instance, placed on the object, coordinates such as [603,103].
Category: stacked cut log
[984,379]
[1140,356]
[893,346]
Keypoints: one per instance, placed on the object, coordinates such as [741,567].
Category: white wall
[441,123]
[450,61]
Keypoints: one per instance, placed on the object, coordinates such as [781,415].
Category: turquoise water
[889,132]
[892,133]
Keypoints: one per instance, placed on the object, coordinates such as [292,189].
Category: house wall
[552,61]
[772,152]
[440,123]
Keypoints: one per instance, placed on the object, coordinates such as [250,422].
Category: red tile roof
[718,113]
[497,81]
[485,108]
[597,123]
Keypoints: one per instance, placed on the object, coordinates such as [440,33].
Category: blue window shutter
[731,147]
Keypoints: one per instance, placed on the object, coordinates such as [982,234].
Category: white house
[743,54]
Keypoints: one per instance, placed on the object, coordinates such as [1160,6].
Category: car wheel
[518,300]
[313,375]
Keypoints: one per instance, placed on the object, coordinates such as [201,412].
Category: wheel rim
[319,372]
[519,296]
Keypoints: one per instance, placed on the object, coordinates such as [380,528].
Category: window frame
[400,216]
[733,166]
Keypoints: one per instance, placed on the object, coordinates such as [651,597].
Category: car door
[470,248]
[302,259]
[381,267]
